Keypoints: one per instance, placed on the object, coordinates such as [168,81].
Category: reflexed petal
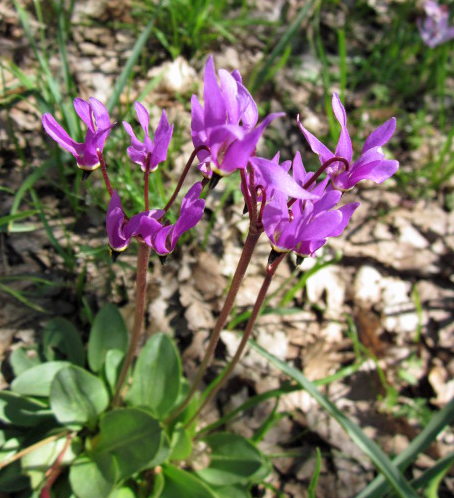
[377,172]
[137,156]
[83,110]
[215,113]
[229,89]
[142,116]
[299,171]
[381,135]
[273,175]
[320,227]
[159,243]
[328,201]
[346,212]
[114,224]
[135,142]
[144,224]
[314,143]
[339,110]
[100,113]
[248,108]
[239,153]
[275,212]
[163,128]
[344,147]
[56,132]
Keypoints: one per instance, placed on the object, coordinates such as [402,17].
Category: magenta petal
[273,175]
[142,116]
[215,113]
[135,142]
[346,212]
[314,143]
[328,201]
[229,87]
[320,227]
[381,135]
[55,131]
[339,110]
[248,108]
[100,114]
[344,146]
[114,224]
[159,243]
[239,153]
[83,110]
[275,212]
[376,172]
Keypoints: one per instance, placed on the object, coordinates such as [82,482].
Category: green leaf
[36,381]
[156,380]
[61,338]
[112,367]
[234,491]
[369,447]
[12,479]
[163,453]
[108,332]
[423,440]
[93,477]
[21,411]
[131,436]
[181,483]
[233,459]
[77,397]
[122,493]
[181,444]
[21,361]
[36,463]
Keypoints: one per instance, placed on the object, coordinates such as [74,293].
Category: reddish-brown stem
[253,193]
[247,197]
[55,470]
[270,272]
[146,180]
[262,206]
[335,159]
[104,172]
[248,249]
[184,174]
[141,283]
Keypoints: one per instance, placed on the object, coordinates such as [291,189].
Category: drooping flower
[94,114]
[164,240]
[156,148]
[434,28]
[120,230]
[371,165]
[305,226]
[227,123]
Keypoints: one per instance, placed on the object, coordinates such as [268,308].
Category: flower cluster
[434,28]
[297,212]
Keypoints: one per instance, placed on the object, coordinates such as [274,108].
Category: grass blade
[256,80]
[372,450]
[129,66]
[422,441]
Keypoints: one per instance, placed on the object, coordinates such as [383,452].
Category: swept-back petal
[100,114]
[314,143]
[380,135]
[339,110]
[142,116]
[55,131]
[83,110]
[215,112]
[229,88]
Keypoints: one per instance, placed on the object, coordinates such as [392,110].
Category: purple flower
[434,28]
[305,226]
[120,230]
[371,165]
[156,148]
[227,124]
[94,114]
[165,239]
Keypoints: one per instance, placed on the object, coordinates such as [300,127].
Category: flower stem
[248,249]
[104,172]
[183,175]
[270,272]
[141,283]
